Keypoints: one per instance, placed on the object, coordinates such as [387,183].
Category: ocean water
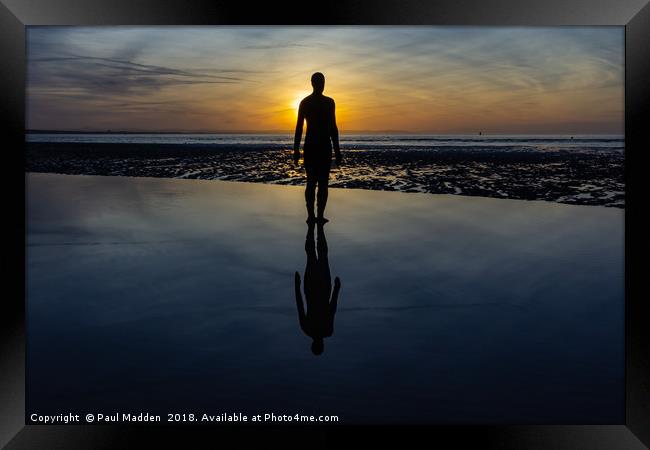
[574,143]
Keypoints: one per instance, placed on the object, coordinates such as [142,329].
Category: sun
[298,99]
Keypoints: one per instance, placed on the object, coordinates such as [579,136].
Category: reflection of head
[318,82]
[317,346]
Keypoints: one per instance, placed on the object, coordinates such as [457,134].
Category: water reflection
[318,321]
[527,294]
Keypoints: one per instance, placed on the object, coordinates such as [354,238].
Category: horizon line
[406,132]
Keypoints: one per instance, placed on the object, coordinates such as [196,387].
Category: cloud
[99,76]
[379,75]
[281,46]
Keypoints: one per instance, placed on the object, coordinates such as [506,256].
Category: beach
[582,170]
[159,295]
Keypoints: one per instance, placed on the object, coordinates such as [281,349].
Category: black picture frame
[15,15]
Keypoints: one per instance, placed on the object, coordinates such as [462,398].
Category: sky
[418,79]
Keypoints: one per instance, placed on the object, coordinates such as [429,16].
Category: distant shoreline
[202,132]
[350,132]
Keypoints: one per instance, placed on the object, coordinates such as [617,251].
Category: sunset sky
[520,80]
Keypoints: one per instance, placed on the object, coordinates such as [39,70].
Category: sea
[578,143]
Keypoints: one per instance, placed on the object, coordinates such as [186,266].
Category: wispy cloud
[100,76]
[440,79]
[281,45]
[134,67]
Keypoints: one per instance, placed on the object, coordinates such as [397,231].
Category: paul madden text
[144,417]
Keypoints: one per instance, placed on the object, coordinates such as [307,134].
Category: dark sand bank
[582,178]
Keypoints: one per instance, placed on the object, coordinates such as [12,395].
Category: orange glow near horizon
[411,79]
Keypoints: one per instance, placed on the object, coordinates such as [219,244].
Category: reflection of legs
[310,194]
[310,244]
[323,261]
[322,243]
[312,263]
[322,196]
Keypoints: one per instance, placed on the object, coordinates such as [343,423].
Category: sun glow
[298,99]
[383,79]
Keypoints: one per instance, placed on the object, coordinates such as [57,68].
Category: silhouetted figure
[318,321]
[322,132]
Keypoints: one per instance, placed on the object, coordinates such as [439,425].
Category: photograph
[325,224]
[365,224]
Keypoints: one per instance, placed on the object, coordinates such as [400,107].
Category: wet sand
[165,295]
[580,177]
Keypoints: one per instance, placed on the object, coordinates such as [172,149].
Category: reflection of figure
[322,131]
[318,321]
